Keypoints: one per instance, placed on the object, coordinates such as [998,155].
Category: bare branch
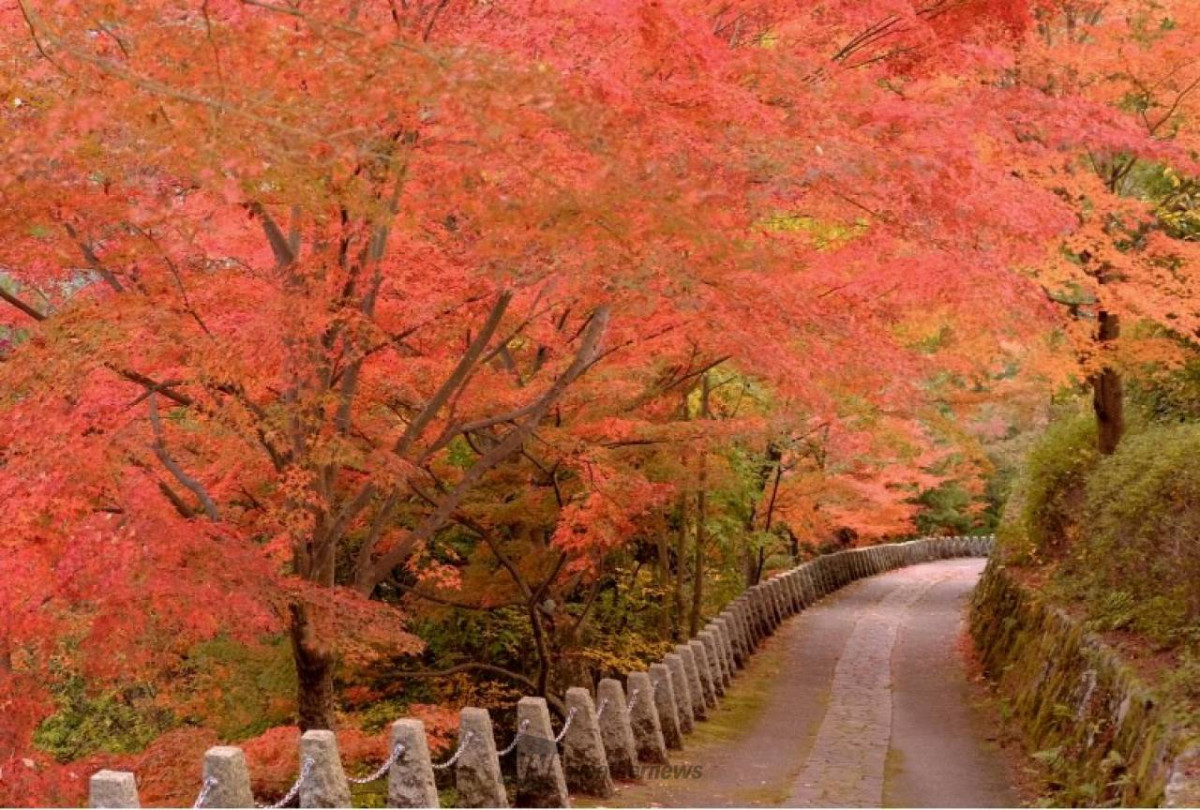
[369,575]
[21,305]
[160,450]
[456,378]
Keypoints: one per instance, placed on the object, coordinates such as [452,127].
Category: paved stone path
[860,701]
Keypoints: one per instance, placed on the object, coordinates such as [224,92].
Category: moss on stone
[1102,736]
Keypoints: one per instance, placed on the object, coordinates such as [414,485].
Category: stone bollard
[584,762]
[757,615]
[766,610]
[729,632]
[729,626]
[667,706]
[227,778]
[751,618]
[797,592]
[808,586]
[651,746]
[716,660]
[325,785]
[704,670]
[540,780]
[410,779]
[112,789]
[802,588]
[681,687]
[843,569]
[817,572]
[741,614]
[615,731]
[725,648]
[695,688]
[725,621]
[789,593]
[477,773]
[721,626]
[776,602]
[774,587]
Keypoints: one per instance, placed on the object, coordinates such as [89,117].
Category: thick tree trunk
[1108,395]
[314,670]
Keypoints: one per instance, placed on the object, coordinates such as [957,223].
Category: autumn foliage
[325,318]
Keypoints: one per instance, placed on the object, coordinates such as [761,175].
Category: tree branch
[369,575]
[456,378]
[160,450]
[21,305]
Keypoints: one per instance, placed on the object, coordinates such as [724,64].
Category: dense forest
[372,358]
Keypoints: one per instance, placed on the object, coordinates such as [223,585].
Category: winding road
[860,701]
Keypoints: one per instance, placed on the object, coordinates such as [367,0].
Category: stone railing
[601,739]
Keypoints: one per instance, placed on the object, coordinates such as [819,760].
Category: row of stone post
[601,740]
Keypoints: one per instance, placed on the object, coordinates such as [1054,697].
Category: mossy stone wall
[1106,738]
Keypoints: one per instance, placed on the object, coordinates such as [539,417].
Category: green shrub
[111,722]
[1042,518]
[946,509]
[1140,565]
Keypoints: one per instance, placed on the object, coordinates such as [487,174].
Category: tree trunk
[1108,396]
[698,564]
[680,550]
[664,581]
[539,642]
[314,670]
[701,522]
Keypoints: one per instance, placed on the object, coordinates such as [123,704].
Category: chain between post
[461,747]
[516,739]
[379,772]
[209,784]
[566,725]
[305,770]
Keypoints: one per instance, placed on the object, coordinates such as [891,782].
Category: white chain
[566,725]
[378,774]
[305,770]
[516,739]
[209,784]
[466,740]
[603,706]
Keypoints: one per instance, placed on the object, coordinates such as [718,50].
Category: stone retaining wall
[1105,737]
[625,725]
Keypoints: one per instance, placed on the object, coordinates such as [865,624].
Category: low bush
[1042,517]
[1139,565]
